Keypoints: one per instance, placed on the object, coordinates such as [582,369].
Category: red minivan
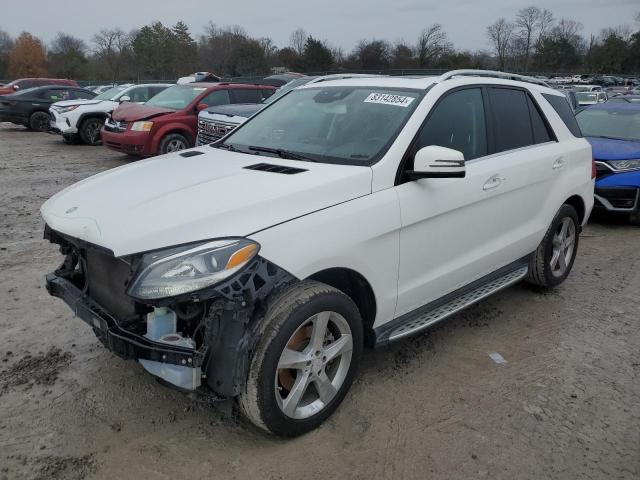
[24,83]
[168,122]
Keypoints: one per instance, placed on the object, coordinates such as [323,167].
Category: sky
[340,22]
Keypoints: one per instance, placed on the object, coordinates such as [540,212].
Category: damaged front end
[185,337]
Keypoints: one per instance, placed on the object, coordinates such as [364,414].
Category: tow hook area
[161,328]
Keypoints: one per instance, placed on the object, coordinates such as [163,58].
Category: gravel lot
[566,405]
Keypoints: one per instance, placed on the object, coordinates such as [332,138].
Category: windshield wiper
[226,146]
[282,153]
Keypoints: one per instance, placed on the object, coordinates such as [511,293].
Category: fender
[86,115]
[182,128]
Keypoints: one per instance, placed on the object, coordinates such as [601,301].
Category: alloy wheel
[564,241]
[313,365]
[175,145]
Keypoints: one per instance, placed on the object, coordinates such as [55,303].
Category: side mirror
[125,98]
[201,106]
[437,162]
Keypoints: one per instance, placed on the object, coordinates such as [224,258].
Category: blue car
[613,129]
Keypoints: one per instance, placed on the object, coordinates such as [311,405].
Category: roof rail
[491,73]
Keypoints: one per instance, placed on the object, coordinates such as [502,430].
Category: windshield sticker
[199,89]
[388,99]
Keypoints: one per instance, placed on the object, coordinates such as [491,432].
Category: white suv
[347,213]
[83,119]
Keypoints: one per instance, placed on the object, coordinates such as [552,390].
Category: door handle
[559,163]
[494,182]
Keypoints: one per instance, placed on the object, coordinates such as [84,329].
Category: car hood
[236,110]
[131,112]
[607,149]
[172,200]
[68,103]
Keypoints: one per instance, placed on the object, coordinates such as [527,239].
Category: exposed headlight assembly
[621,165]
[141,126]
[185,269]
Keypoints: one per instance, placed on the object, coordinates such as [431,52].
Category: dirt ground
[566,405]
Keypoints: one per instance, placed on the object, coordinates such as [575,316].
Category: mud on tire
[287,314]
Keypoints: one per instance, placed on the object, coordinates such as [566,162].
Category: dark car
[24,83]
[30,107]
[613,130]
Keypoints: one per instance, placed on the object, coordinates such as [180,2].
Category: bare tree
[111,47]
[432,44]
[532,24]
[500,34]
[297,39]
[568,30]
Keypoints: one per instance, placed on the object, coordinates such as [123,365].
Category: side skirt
[423,317]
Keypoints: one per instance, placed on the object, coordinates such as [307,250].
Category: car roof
[423,83]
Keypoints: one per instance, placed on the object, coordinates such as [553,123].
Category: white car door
[457,230]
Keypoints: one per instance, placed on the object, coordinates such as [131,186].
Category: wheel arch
[578,203]
[168,130]
[358,289]
[84,116]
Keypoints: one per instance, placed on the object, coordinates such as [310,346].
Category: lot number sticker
[388,99]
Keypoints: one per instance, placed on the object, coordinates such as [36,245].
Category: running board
[426,316]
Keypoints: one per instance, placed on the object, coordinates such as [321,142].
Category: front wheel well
[576,202]
[356,287]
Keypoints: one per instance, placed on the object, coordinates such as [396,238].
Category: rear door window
[564,111]
[246,95]
[217,97]
[510,118]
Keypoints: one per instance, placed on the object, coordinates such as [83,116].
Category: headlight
[180,270]
[624,164]
[141,126]
[65,109]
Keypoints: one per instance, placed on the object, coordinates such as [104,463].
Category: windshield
[622,124]
[110,94]
[350,125]
[176,97]
[287,87]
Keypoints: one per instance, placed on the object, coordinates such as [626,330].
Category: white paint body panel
[414,242]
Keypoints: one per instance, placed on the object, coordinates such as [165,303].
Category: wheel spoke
[292,401]
[319,330]
[292,359]
[563,230]
[325,388]
[341,345]
[555,258]
[563,261]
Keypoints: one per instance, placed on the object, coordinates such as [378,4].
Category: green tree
[185,50]
[154,48]
[316,55]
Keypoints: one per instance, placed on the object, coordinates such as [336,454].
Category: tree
[27,58]
[499,34]
[297,41]
[289,58]
[402,56]
[249,58]
[375,54]
[6,45]
[432,44]
[185,50]
[610,53]
[317,56]
[67,56]
[531,23]
[155,49]
[112,46]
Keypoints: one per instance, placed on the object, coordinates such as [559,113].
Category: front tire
[40,122]
[309,347]
[552,261]
[90,130]
[173,142]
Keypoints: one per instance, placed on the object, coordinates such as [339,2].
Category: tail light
[593,168]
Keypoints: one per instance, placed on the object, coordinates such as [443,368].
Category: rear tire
[552,261]
[317,331]
[40,122]
[173,142]
[90,130]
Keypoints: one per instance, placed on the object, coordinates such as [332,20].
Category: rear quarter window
[561,105]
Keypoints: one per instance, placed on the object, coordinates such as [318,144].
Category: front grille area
[107,278]
[209,132]
[111,125]
[619,197]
